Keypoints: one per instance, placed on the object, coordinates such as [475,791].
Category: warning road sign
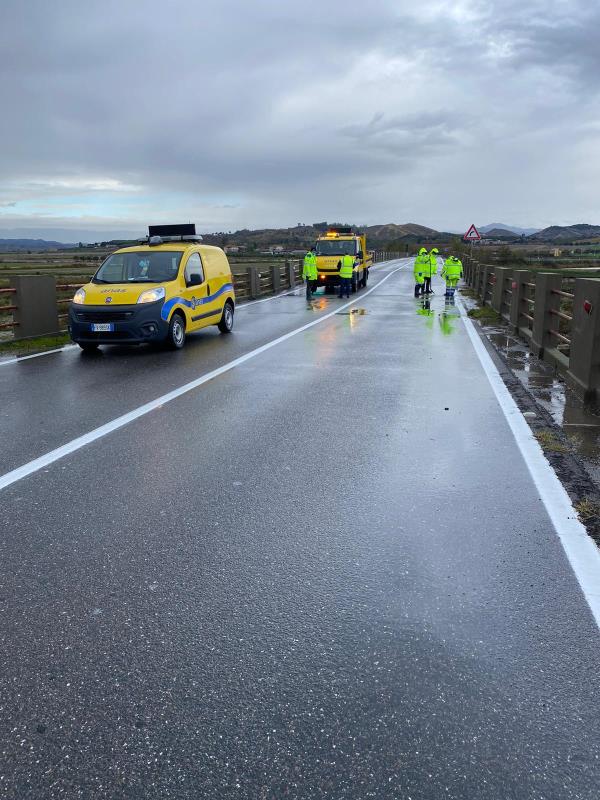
[472,235]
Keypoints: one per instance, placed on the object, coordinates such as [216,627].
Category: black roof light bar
[188,229]
[159,234]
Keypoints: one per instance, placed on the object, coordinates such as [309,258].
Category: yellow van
[167,286]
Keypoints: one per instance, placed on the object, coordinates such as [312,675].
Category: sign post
[472,236]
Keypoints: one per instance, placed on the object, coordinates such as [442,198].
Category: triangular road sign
[472,235]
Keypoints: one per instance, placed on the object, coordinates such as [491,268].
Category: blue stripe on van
[194,302]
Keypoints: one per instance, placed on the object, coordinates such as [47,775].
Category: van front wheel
[226,323]
[176,334]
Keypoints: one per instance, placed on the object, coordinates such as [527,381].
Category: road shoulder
[583,491]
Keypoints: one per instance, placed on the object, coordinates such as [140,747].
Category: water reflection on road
[447,314]
[579,422]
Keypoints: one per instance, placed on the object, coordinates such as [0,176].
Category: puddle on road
[358,312]
[448,317]
[578,421]
[424,309]
[318,304]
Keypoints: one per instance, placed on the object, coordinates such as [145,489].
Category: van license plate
[102,327]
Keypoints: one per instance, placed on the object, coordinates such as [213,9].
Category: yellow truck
[331,246]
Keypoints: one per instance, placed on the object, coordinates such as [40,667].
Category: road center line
[87,438]
[581,551]
[295,290]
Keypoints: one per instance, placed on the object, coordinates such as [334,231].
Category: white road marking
[81,441]
[241,307]
[18,359]
[581,551]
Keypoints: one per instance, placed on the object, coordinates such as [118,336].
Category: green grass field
[27,346]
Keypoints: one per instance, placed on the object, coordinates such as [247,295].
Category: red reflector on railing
[514,285]
[587,306]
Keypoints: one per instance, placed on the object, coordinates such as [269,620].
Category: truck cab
[331,246]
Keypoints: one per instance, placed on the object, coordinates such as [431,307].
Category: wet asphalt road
[324,574]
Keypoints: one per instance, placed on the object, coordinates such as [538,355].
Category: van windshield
[140,267]
[336,247]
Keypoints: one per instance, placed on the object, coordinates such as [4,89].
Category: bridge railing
[8,307]
[558,315]
[37,305]
[385,255]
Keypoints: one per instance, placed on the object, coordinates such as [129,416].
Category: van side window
[194,274]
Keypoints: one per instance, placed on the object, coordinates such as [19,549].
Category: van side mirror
[361,254]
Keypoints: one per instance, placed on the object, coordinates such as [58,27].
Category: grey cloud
[261,110]
[404,137]
[145,96]
[560,37]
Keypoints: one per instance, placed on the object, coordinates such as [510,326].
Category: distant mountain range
[392,231]
[388,236]
[555,234]
[301,236]
[500,233]
[500,226]
[570,233]
[31,244]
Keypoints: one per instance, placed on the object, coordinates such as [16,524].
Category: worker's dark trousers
[427,289]
[418,289]
[345,286]
[309,289]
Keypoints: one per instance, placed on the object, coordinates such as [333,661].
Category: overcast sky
[246,113]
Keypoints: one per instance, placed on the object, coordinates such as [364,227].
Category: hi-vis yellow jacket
[347,267]
[421,266]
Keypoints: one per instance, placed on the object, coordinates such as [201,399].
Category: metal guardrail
[385,255]
[562,327]
[8,309]
[564,320]
[250,281]
[506,298]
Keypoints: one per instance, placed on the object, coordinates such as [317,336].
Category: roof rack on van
[158,234]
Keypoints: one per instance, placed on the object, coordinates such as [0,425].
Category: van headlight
[152,295]
[79,297]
